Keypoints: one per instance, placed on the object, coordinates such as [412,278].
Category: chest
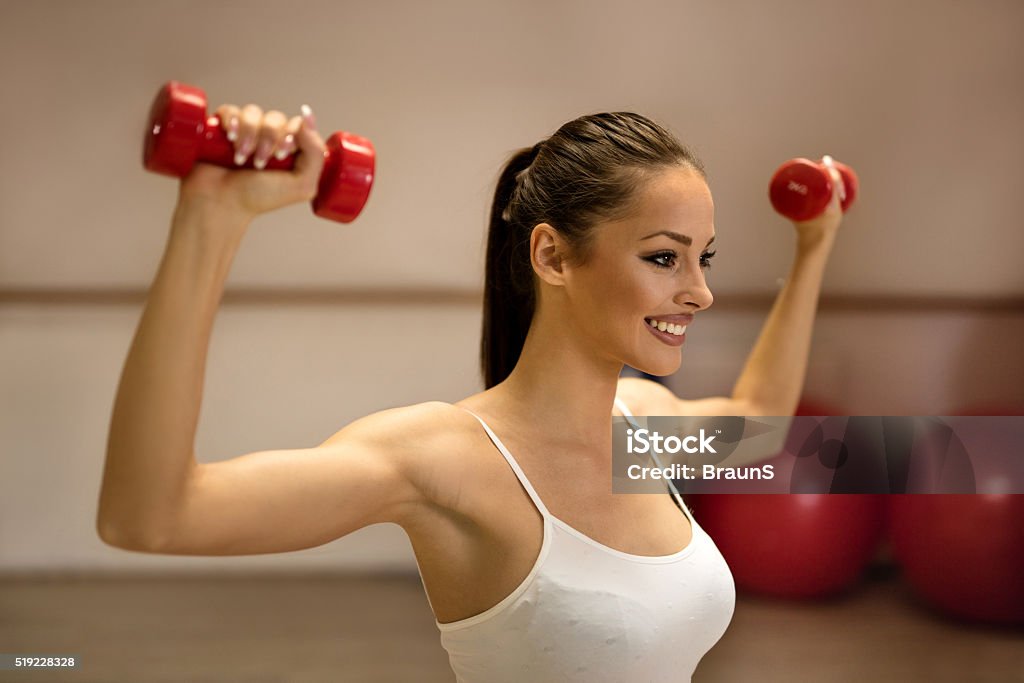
[574,487]
[487,534]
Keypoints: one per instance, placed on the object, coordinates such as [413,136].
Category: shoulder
[427,442]
[419,424]
[646,397]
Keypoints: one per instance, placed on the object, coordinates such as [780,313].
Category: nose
[695,292]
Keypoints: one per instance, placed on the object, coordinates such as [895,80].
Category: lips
[670,329]
[673,324]
[676,318]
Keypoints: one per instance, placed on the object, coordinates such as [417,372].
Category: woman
[535,571]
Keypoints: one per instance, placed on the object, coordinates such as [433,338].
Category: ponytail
[508,304]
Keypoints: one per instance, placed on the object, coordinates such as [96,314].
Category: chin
[658,368]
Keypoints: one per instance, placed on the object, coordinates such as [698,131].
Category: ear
[548,252]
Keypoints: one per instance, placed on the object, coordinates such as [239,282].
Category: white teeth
[671,328]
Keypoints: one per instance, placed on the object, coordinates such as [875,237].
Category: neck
[561,386]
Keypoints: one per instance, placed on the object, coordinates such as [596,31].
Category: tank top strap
[673,491]
[621,405]
[513,464]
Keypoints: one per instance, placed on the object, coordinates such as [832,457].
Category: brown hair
[587,172]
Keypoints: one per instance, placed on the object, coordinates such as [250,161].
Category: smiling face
[647,267]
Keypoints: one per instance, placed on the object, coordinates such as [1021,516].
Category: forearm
[773,378]
[150,450]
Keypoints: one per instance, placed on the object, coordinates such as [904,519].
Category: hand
[260,134]
[826,224]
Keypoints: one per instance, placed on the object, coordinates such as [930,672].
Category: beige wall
[922,98]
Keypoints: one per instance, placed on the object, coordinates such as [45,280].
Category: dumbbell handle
[180,134]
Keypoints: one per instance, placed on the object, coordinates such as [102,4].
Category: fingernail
[259,159]
[244,150]
[307,116]
[233,128]
[287,145]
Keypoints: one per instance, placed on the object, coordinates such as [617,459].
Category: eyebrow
[678,237]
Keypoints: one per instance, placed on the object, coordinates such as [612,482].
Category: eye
[705,259]
[663,259]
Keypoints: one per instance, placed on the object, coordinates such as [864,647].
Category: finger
[227,114]
[287,145]
[248,128]
[311,160]
[837,177]
[270,133]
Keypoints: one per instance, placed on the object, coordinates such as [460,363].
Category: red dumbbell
[801,188]
[180,134]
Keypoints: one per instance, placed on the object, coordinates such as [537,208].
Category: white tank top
[588,612]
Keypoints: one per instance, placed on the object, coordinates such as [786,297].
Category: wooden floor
[330,629]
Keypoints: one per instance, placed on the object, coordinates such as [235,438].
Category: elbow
[117,536]
[109,529]
[114,536]
[123,526]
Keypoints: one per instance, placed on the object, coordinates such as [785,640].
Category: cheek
[619,295]
[630,298]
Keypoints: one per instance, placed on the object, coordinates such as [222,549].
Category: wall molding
[341,296]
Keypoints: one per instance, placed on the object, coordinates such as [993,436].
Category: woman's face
[645,268]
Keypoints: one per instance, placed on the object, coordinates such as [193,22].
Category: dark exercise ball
[962,554]
[793,545]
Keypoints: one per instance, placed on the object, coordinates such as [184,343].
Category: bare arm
[772,378]
[380,468]
[150,460]
[150,457]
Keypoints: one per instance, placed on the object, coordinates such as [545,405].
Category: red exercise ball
[793,545]
[814,407]
[963,554]
[992,409]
